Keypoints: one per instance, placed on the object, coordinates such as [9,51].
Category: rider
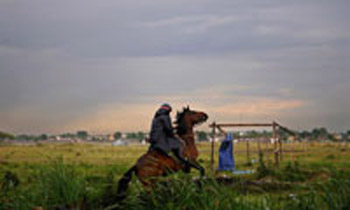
[162,136]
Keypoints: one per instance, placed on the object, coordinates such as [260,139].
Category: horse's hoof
[187,168]
[202,172]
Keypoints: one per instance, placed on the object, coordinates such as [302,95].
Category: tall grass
[181,192]
[334,194]
[60,185]
[11,197]
[28,180]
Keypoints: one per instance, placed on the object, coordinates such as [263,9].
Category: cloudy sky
[107,65]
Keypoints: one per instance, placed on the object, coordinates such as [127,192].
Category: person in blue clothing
[226,158]
[162,137]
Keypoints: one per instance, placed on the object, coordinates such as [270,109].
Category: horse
[156,163]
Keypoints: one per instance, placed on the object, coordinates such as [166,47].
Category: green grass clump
[60,185]
[10,195]
[293,173]
[334,194]
[182,192]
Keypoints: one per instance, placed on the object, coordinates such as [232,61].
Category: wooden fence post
[280,148]
[267,152]
[292,153]
[275,143]
[213,148]
[248,151]
[259,146]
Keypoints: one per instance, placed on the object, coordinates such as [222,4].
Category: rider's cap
[166,107]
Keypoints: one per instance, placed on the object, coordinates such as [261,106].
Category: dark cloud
[63,60]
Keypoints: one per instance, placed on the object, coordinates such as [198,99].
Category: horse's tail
[124,182]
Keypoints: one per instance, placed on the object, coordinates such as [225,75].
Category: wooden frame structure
[274,125]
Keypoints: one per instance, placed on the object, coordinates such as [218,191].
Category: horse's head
[186,119]
[185,122]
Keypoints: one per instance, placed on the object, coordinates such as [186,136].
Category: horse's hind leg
[147,173]
[147,183]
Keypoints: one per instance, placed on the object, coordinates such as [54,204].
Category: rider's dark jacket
[162,134]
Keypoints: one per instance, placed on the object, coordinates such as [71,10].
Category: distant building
[110,137]
[337,136]
[217,139]
[119,142]
[55,138]
[98,137]
[273,140]
[291,138]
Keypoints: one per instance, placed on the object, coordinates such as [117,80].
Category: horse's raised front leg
[196,165]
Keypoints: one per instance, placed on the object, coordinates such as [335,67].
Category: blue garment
[226,158]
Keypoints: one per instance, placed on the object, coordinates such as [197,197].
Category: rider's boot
[182,160]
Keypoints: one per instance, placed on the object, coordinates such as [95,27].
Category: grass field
[77,175]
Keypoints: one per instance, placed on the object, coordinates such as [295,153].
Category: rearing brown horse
[155,163]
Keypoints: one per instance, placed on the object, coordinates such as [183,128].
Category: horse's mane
[181,127]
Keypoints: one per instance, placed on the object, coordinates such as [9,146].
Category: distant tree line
[4,135]
[316,134]
[32,137]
